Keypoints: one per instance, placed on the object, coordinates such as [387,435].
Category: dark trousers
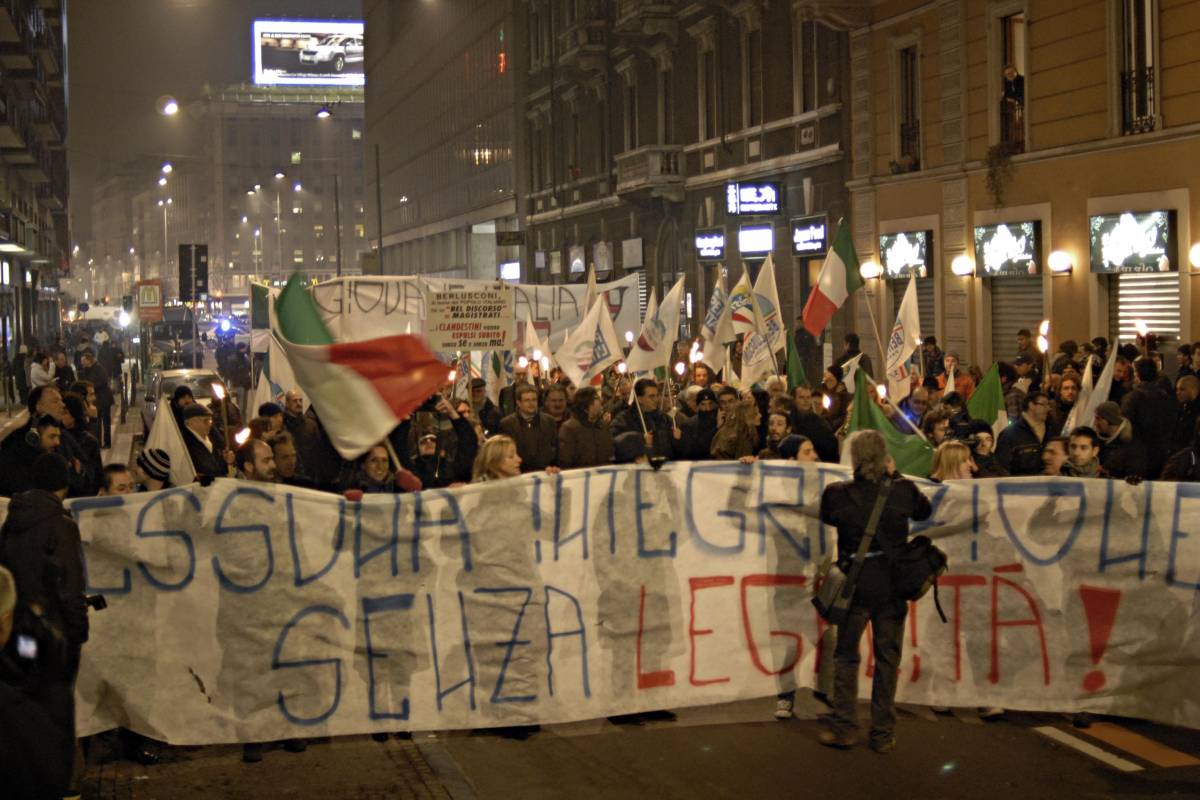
[105,426]
[887,632]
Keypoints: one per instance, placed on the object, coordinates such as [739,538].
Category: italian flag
[361,390]
[839,278]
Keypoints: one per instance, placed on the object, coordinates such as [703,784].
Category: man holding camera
[40,545]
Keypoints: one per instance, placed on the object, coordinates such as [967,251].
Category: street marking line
[1062,737]
[1144,748]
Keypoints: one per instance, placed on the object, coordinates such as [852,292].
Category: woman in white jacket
[41,373]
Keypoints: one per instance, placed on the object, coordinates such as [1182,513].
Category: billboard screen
[1133,242]
[289,52]
[1009,249]
[905,254]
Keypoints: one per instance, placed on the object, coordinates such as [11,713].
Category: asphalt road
[735,750]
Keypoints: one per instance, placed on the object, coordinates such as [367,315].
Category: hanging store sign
[1133,242]
[905,254]
[710,244]
[810,235]
[756,239]
[762,197]
[1010,249]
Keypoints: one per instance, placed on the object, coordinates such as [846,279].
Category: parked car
[334,52]
[164,382]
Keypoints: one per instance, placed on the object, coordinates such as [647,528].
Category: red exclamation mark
[1100,608]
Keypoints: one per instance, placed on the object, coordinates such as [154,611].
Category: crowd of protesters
[1146,428]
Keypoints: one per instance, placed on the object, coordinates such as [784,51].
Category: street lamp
[167,168]
[324,113]
[162,181]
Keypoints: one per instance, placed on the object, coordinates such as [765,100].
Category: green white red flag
[838,280]
[361,390]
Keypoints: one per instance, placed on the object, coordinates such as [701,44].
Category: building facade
[1034,156]
[278,175]
[442,137]
[34,238]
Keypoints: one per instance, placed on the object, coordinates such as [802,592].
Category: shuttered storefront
[1016,304]
[1151,297]
[925,303]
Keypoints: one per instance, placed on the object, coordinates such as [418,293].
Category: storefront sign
[756,239]
[1010,249]
[810,235]
[762,197]
[1133,242]
[149,300]
[904,254]
[710,244]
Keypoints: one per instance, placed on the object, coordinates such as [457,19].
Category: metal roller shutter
[1152,297]
[1016,304]
[925,304]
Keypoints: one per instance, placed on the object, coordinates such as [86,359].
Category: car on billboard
[334,52]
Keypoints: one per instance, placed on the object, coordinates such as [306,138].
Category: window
[360,231]
[631,115]
[574,145]
[752,78]
[355,134]
[296,156]
[666,107]
[708,94]
[1012,96]
[318,231]
[1138,43]
[297,256]
[535,51]
[804,66]
[908,109]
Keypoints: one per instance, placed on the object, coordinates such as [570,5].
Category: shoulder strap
[864,544]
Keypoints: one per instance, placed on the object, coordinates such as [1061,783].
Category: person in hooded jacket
[698,430]
[40,545]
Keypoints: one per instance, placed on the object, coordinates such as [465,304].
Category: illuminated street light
[162,181]
[324,113]
[297,187]
[279,176]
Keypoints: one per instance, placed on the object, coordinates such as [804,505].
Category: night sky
[124,54]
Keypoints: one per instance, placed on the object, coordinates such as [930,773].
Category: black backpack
[915,569]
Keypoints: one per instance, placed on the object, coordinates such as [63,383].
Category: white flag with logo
[652,348]
[716,331]
[766,298]
[905,336]
[591,347]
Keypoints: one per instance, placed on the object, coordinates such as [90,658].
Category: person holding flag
[838,280]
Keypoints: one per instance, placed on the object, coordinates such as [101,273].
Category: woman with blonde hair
[952,461]
[497,460]
[738,435]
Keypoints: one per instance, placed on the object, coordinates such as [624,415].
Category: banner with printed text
[466,320]
[256,612]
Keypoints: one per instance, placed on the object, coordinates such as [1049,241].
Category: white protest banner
[256,612]
[357,308]
[471,319]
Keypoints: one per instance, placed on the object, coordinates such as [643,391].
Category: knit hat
[195,410]
[155,463]
[50,472]
[706,394]
[978,426]
[1110,412]
[790,445]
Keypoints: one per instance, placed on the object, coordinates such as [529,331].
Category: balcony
[1012,125]
[908,158]
[46,47]
[647,19]
[1138,101]
[37,168]
[584,46]
[654,170]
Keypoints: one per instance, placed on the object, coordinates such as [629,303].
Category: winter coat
[536,438]
[584,444]
[205,462]
[696,435]
[40,545]
[1152,411]
[657,423]
[99,378]
[1124,455]
[31,748]
[1019,449]
[1183,465]
[819,433]
[733,440]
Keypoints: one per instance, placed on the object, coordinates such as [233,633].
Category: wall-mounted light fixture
[962,266]
[1061,263]
[869,270]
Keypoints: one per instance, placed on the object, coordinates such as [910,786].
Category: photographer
[40,545]
[451,456]
[848,505]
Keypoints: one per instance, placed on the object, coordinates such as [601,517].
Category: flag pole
[875,330]
[896,406]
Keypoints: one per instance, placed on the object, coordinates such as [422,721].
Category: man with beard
[1068,393]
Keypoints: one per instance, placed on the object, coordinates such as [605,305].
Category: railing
[652,166]
[910,143]
[1137,101]
[1012,125]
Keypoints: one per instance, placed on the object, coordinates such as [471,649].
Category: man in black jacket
[697,431]
[1019,450]
[662,438]
[487,412]
[1187,395]
[1122,453]
[91,370]
[40,545]
[535,433]
[848,505]
[805,422]
[1151,412]
[207,460]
